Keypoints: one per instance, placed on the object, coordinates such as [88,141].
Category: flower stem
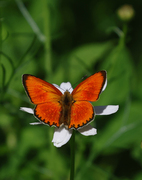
[72,156]
[123,37]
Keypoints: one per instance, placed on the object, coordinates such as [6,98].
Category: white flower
[62,135]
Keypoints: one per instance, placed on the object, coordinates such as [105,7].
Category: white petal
[88,130]
[106,110]
[61,136]
[62,90]
[28,110]
[105,85]
[66,86]
[36,123]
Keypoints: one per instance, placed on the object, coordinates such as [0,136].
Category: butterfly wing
[46,97]
[90,88]
[82,111]
[49,113]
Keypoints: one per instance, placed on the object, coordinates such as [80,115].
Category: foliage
[63,41]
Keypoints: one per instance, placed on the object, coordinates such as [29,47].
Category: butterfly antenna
[80,80]
[62,89]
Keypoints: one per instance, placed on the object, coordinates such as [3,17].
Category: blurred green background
[60,41]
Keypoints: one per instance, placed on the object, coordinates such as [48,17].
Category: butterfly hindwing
[82,112]
[49,113]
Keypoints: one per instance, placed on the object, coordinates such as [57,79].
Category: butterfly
[73,110]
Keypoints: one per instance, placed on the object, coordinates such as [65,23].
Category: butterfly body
[66,104]
[54,108]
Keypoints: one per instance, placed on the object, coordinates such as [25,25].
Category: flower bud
[126,12]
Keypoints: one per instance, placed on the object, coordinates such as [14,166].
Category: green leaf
[118,134]
[81,61]
[119,74]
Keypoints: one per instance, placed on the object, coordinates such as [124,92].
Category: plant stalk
[72,170]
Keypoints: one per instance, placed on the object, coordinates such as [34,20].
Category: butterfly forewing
[90,88]
[40,91]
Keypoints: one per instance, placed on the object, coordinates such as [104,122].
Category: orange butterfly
[70,109]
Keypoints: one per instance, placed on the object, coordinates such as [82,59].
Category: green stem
[123,37]
[1,66]
[46,22]
[30,20]
[0,32]
[72,156]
